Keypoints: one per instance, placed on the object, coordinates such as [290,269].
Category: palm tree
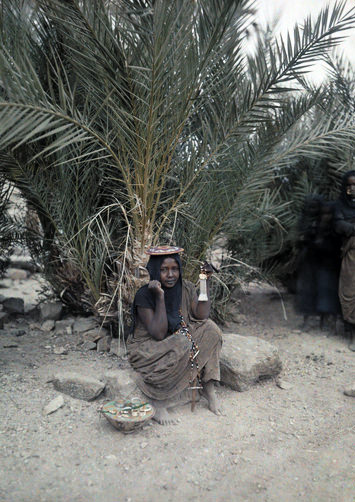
[137,121]
[8,227]
[319,172]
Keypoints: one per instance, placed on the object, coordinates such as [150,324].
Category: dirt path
[273,445]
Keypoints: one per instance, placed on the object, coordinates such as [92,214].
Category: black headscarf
[145,298]
[343,195]
[310,214]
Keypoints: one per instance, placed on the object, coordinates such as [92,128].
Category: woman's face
[350,186]
[169,273]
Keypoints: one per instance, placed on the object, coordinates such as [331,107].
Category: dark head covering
[343,195]
[145,298]
[310,213]
[312,204]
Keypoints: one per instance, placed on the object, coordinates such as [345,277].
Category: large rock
[103,344]
[50,311]
[247,359]
[16,274]
[14,305]
[83,324]
[78,386]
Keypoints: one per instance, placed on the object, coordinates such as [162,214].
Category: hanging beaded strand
[194,351]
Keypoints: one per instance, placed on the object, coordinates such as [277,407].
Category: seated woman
[173,345]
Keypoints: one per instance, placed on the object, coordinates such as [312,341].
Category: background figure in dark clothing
[328,245]
[345,227]
[318,262]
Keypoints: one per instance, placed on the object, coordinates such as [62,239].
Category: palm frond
[148,121]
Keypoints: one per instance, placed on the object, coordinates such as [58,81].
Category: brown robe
[163,367]
[347,281]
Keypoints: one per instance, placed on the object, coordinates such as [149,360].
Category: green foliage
[136,122]
[276,250]
[7,227]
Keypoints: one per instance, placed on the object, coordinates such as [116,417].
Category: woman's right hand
[155,287]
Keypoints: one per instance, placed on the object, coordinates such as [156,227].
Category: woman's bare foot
[162,416]
[209,392]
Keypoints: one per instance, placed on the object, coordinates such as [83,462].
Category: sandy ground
[273,444]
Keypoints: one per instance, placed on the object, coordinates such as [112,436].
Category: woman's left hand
[207,269]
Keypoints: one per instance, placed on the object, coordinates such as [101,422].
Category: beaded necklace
[195,383]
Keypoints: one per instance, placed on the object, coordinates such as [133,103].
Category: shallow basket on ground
[129,415]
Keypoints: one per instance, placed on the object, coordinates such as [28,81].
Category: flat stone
[60,351]
[283,384]
[78,386]
[14,305]
[16,274]
[103,344]
[61,326]
[83,324]
[350,391]
[48,325]
[93,335]
[247,359]
[50,311]
[54,405]
[88,345]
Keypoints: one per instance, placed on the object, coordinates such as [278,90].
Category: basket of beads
[128,415]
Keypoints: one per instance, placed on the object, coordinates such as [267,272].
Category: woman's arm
[343,226]
[156,320]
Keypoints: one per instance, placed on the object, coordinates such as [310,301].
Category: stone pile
[89,333]
[245,360]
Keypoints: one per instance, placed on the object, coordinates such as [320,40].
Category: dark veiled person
[345,226]
[318,262]
[173,347]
